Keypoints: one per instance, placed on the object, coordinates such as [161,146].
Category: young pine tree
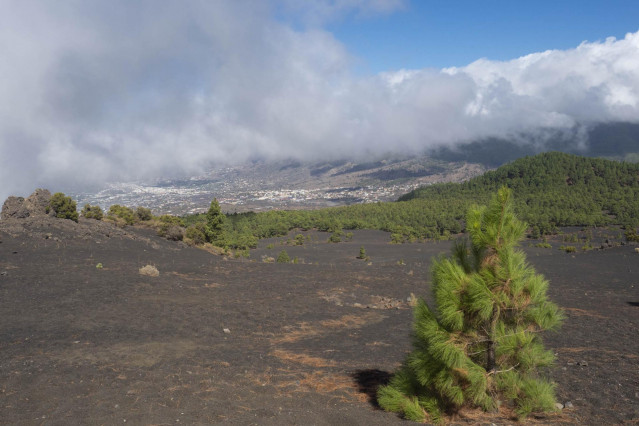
[481,346]
[214,224]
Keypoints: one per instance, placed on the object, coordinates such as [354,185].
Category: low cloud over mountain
[95,91]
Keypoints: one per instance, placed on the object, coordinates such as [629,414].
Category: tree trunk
[490,346]
[490,356]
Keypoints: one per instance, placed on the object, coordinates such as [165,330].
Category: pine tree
[481,346]
[214,224]
[362,253]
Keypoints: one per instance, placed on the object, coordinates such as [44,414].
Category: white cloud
[96,91]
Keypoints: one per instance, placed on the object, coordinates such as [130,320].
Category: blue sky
[455,33]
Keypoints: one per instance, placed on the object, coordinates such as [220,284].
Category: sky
[99,91]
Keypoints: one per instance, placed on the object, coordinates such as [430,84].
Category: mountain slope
[556,189]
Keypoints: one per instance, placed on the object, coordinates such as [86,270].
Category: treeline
[551,190]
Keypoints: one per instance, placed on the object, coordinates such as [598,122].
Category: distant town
[180,200]
[266,186]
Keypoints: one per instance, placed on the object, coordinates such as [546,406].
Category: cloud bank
[98,91]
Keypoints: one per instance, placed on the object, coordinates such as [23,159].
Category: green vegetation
[214,224]
[196,233]
[568,249]
[125,215]
[550,190]
[92,212]
[143,214]
[170,227]
[362,253]
[631,235]
[480,345]
[336,237]
[283,257]
[554,189]
[63,207]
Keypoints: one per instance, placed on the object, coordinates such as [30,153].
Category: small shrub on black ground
[283,257]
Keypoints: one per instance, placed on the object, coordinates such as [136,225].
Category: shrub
[336,237]
[283,257]
[481,343]
[143,214]
[196,233]
[568,249]
[174,233]
[397,238]
[149,270]
[171,220]
[535,233]
[92,212]
[166,222]
[362,253]
[63,207]
[631,235]
[299,239]
[122,212]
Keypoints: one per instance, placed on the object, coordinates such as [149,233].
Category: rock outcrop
[19,208]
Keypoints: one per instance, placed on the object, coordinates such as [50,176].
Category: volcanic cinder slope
[214,340]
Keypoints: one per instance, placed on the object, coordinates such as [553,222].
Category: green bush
[631,235]
[283,257]
[143,214]
[167,227]
[397,238]
[568,249]
[92,212]
[122,212]
[535,233]
[63,207]
[336,237]
[196,233]
[362,253]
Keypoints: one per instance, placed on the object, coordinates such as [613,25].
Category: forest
[550,190]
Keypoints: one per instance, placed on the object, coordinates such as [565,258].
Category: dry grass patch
[583,312]
[149,270]
[305,330]
[303,359]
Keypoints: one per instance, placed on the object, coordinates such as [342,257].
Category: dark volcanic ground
[214,340]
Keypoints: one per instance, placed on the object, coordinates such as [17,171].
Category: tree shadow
[369,381]
[633,303]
